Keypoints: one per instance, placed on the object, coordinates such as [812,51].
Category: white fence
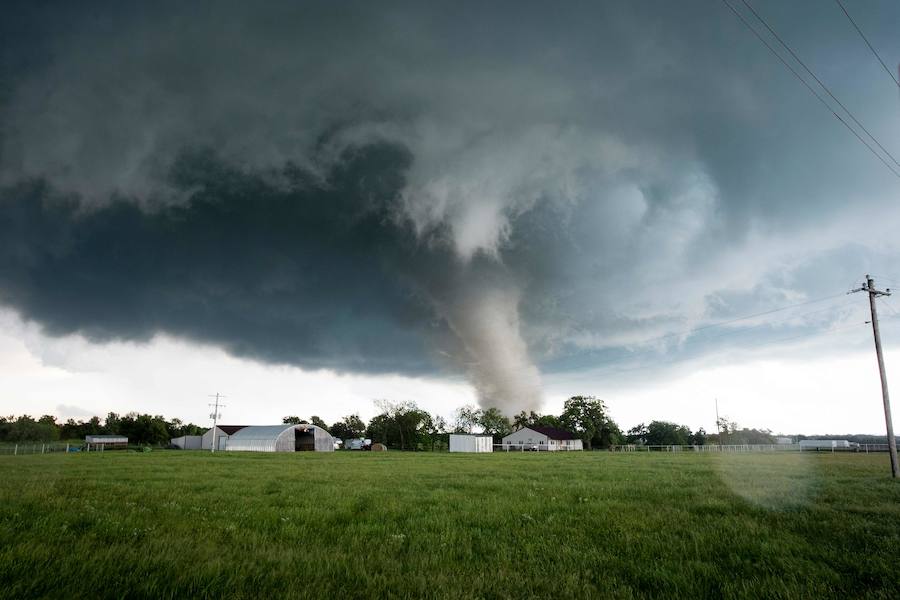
[749,448]
[533,448]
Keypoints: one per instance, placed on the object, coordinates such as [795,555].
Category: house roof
[554,433]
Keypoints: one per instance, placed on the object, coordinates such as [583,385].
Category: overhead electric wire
[756,345]
[819,81]
[866,40]
[810,88]
[637,354]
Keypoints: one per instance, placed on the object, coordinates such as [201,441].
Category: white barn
[542,438]
[465,442]
[280,438]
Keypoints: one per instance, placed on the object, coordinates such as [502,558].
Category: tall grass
[371,525]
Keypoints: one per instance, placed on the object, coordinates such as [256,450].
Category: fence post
[16,451]
[42,448]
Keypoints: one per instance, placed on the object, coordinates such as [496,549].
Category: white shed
[188,442]
[280,438]
[465,442]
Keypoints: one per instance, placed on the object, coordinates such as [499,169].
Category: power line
[819,81]
[746,347]
[640,353]
[866,40]
[810,88]
[694,330]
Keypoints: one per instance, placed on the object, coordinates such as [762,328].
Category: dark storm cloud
[303,272]
[402,187]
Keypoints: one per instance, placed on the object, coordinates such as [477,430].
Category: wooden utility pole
[215,417]
[869,286]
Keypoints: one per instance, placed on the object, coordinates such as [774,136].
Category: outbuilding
[542,438]
[466,442]
[101,442]
[280,438]
[223,432]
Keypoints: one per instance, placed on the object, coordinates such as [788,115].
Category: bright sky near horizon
[310,207]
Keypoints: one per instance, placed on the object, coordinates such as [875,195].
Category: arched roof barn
[281,438]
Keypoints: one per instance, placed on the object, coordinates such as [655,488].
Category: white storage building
[465,442]
[827,445]
[280,438]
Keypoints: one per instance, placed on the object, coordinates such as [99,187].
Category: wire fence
[29,448]
[535,448]
[853,447]
[24,448]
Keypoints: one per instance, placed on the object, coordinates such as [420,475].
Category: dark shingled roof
[554,433]
[230,429]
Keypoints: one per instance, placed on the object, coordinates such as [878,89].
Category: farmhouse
[463,442]
[280,438]
[541,438]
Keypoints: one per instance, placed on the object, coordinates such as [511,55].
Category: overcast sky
[309,206]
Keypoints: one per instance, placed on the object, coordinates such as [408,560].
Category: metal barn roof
[277,438]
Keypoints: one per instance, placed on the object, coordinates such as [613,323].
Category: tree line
[405,426]
[139,428]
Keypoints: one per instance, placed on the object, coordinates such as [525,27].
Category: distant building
[279,438]
[101,442]
[542,438]
[784,440]
[464,442]
[827,445]
[223,432]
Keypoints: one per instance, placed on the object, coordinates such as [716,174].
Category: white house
[542,438]
[465,442]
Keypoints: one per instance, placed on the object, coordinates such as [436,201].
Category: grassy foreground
[372,525]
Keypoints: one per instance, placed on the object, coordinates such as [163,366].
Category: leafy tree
[314,420]
[437,432]
[467,417]
[402,424]
[533,418]
[349,427]
[495,423]
[665,433]
[587,417]
[49,430]
[637,434]
[699,437]
[292,420]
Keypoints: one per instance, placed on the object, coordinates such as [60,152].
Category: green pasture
[433,525]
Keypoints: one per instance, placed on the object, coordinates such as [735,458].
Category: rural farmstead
[541,438]
[280,438]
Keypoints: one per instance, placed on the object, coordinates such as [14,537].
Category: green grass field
[372,525]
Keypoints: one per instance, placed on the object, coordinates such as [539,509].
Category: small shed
[466,442]
[188,442]
[280,438]
[102,442]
